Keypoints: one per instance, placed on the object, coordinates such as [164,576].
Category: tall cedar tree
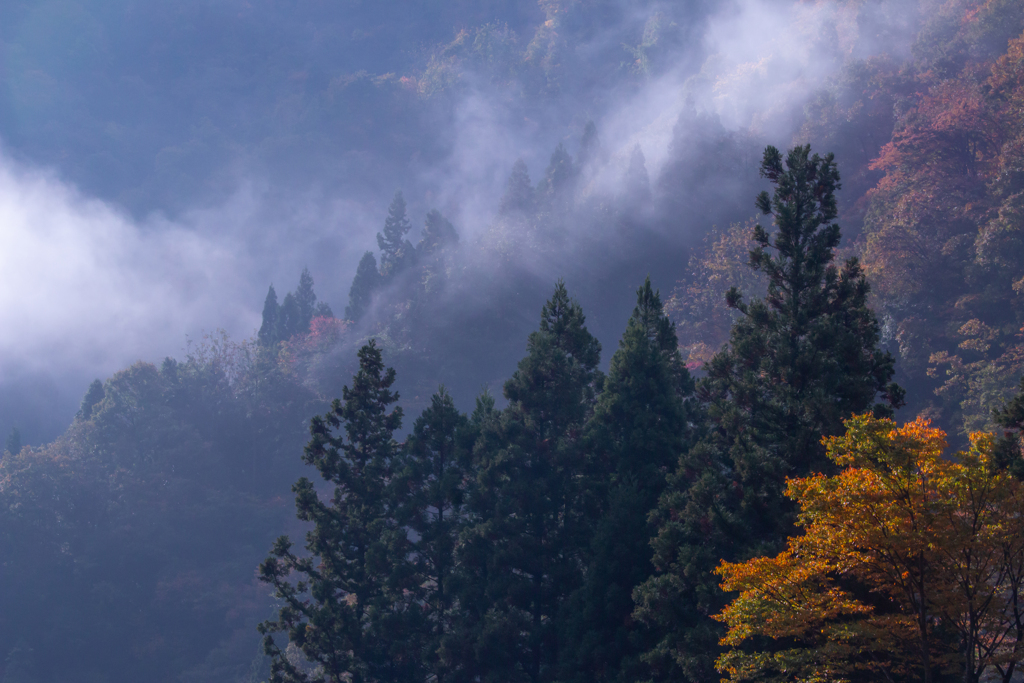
[268,334]
[323,310]
[590,146]
[348,612]
[433,482]
[637,184]
[395,249]
[519,193]
[364,284]
[555,189]
[437,238]
[305,299]
[528,535]
[438,233]
[289,318]
[640,427]
[13,443]
[797,363]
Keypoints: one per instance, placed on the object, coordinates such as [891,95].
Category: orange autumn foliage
[910,567]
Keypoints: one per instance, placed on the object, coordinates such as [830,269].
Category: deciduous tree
[910,566]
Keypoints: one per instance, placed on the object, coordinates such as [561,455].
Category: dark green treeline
[571,535]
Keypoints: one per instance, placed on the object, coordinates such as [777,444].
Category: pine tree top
[796,258]
[562,318]
[519,193]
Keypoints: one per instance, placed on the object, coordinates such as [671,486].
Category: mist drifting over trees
[536,313]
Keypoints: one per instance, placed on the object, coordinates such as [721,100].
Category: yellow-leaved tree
[910,567]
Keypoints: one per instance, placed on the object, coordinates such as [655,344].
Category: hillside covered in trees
[721,450]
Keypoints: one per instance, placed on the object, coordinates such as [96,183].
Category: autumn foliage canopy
[909,567]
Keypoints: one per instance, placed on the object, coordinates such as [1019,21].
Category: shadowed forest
[743,401]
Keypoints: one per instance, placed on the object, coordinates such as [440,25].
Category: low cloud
[85,288]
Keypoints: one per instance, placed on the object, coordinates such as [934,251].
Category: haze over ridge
[106,266]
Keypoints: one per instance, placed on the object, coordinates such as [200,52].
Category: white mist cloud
[82,285]
[86,288]
[761,60]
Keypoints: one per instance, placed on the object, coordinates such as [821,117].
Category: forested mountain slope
[129,546]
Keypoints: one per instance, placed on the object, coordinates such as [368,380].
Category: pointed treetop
[589,145]
[519,193]
[13,443]
[92,398]
[803,206]
[268,333]
[289,321]
[365,282]
[650,316]
[562,318]
[438,232]
[559,172]
[394,248]
[305,297]
[637,182]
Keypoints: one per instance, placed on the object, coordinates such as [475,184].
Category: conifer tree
[323,310]
[305,299]
[590,146]
[438,233]
[13,443]
[637,183]
[528,497]
[364,284]
[289,318]
[554,188]
[269,333]
[395,249]
[92,397]
[347,609]
[641,425]
[433,482]
[519,193]
[797,363]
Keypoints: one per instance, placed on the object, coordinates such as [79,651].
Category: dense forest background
[595,142]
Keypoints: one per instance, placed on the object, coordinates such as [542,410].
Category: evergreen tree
[432,250]
[91,399]
[305,299]
[438,233]
[640,427]
[289,318]
[476,627]
[637,183]
[269,333]
[395,250]
[323,310]
[797,363]
[364,284]
[590,146]
[433,482]
[348,611]
[13,443]
[528,531]
[555,188]
[519,193]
